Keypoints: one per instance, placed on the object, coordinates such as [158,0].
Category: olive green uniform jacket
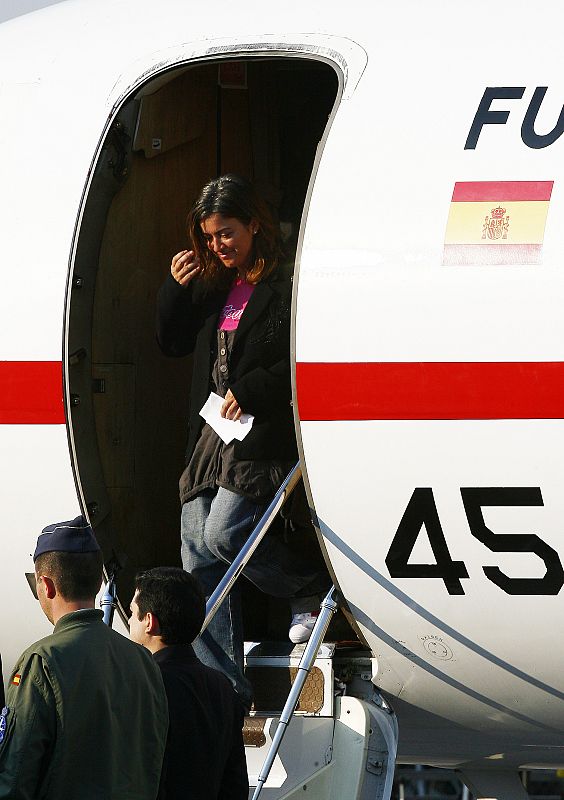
[85,717]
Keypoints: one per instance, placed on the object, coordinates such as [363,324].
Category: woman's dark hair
[234,196]
[175,598]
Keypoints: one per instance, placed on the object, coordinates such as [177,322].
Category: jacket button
[222,351]
[223,368]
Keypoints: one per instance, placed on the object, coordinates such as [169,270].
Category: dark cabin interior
[261,118]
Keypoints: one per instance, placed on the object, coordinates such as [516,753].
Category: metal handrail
[256,537]
[108,601]
[328,608]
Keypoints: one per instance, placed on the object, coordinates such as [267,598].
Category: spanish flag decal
[16,680]
[497,222]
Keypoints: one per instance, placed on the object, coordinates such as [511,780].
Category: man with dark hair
[205,755]
[85,715]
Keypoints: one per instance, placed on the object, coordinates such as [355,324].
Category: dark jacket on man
[85,717]
[205,755]
[259,368]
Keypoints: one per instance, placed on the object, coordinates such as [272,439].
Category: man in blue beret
[85,716]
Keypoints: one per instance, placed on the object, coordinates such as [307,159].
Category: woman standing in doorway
[227,301]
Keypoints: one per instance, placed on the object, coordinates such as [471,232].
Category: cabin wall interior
[259,118]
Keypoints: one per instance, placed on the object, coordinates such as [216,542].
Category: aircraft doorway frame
[347,60]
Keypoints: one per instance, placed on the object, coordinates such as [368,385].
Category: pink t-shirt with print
[235,304]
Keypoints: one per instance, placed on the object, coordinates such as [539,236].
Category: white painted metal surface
[16,8]
[371,288]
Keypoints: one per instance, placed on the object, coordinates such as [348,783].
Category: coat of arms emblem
[496,226]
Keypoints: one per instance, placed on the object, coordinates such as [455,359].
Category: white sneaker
[302,626]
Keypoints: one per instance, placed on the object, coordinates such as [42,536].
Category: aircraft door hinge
[376,762]
[119,148]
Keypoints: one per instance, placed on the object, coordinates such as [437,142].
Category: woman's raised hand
[185,266]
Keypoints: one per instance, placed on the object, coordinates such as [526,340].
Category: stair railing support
[108,601]
[328,608]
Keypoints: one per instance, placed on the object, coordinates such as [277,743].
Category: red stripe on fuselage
[501,191]
[430,390]
[31,393]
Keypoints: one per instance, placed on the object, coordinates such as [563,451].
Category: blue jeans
[215,525]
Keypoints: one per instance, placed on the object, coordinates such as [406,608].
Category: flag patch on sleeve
[16,680]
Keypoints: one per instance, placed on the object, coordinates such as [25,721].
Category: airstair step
[272,686]
[253,731]
[272,668]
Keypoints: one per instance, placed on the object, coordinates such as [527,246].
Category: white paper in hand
[227,429]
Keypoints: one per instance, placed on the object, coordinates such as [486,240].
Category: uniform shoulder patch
[16,680]
[3,722]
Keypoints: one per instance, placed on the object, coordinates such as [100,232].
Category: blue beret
[75,536]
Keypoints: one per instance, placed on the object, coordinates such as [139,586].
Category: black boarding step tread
[284,649]
[269,649]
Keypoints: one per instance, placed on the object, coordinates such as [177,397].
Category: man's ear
[48,586]
[152,626]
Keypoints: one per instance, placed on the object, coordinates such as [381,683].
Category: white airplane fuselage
[428,334]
